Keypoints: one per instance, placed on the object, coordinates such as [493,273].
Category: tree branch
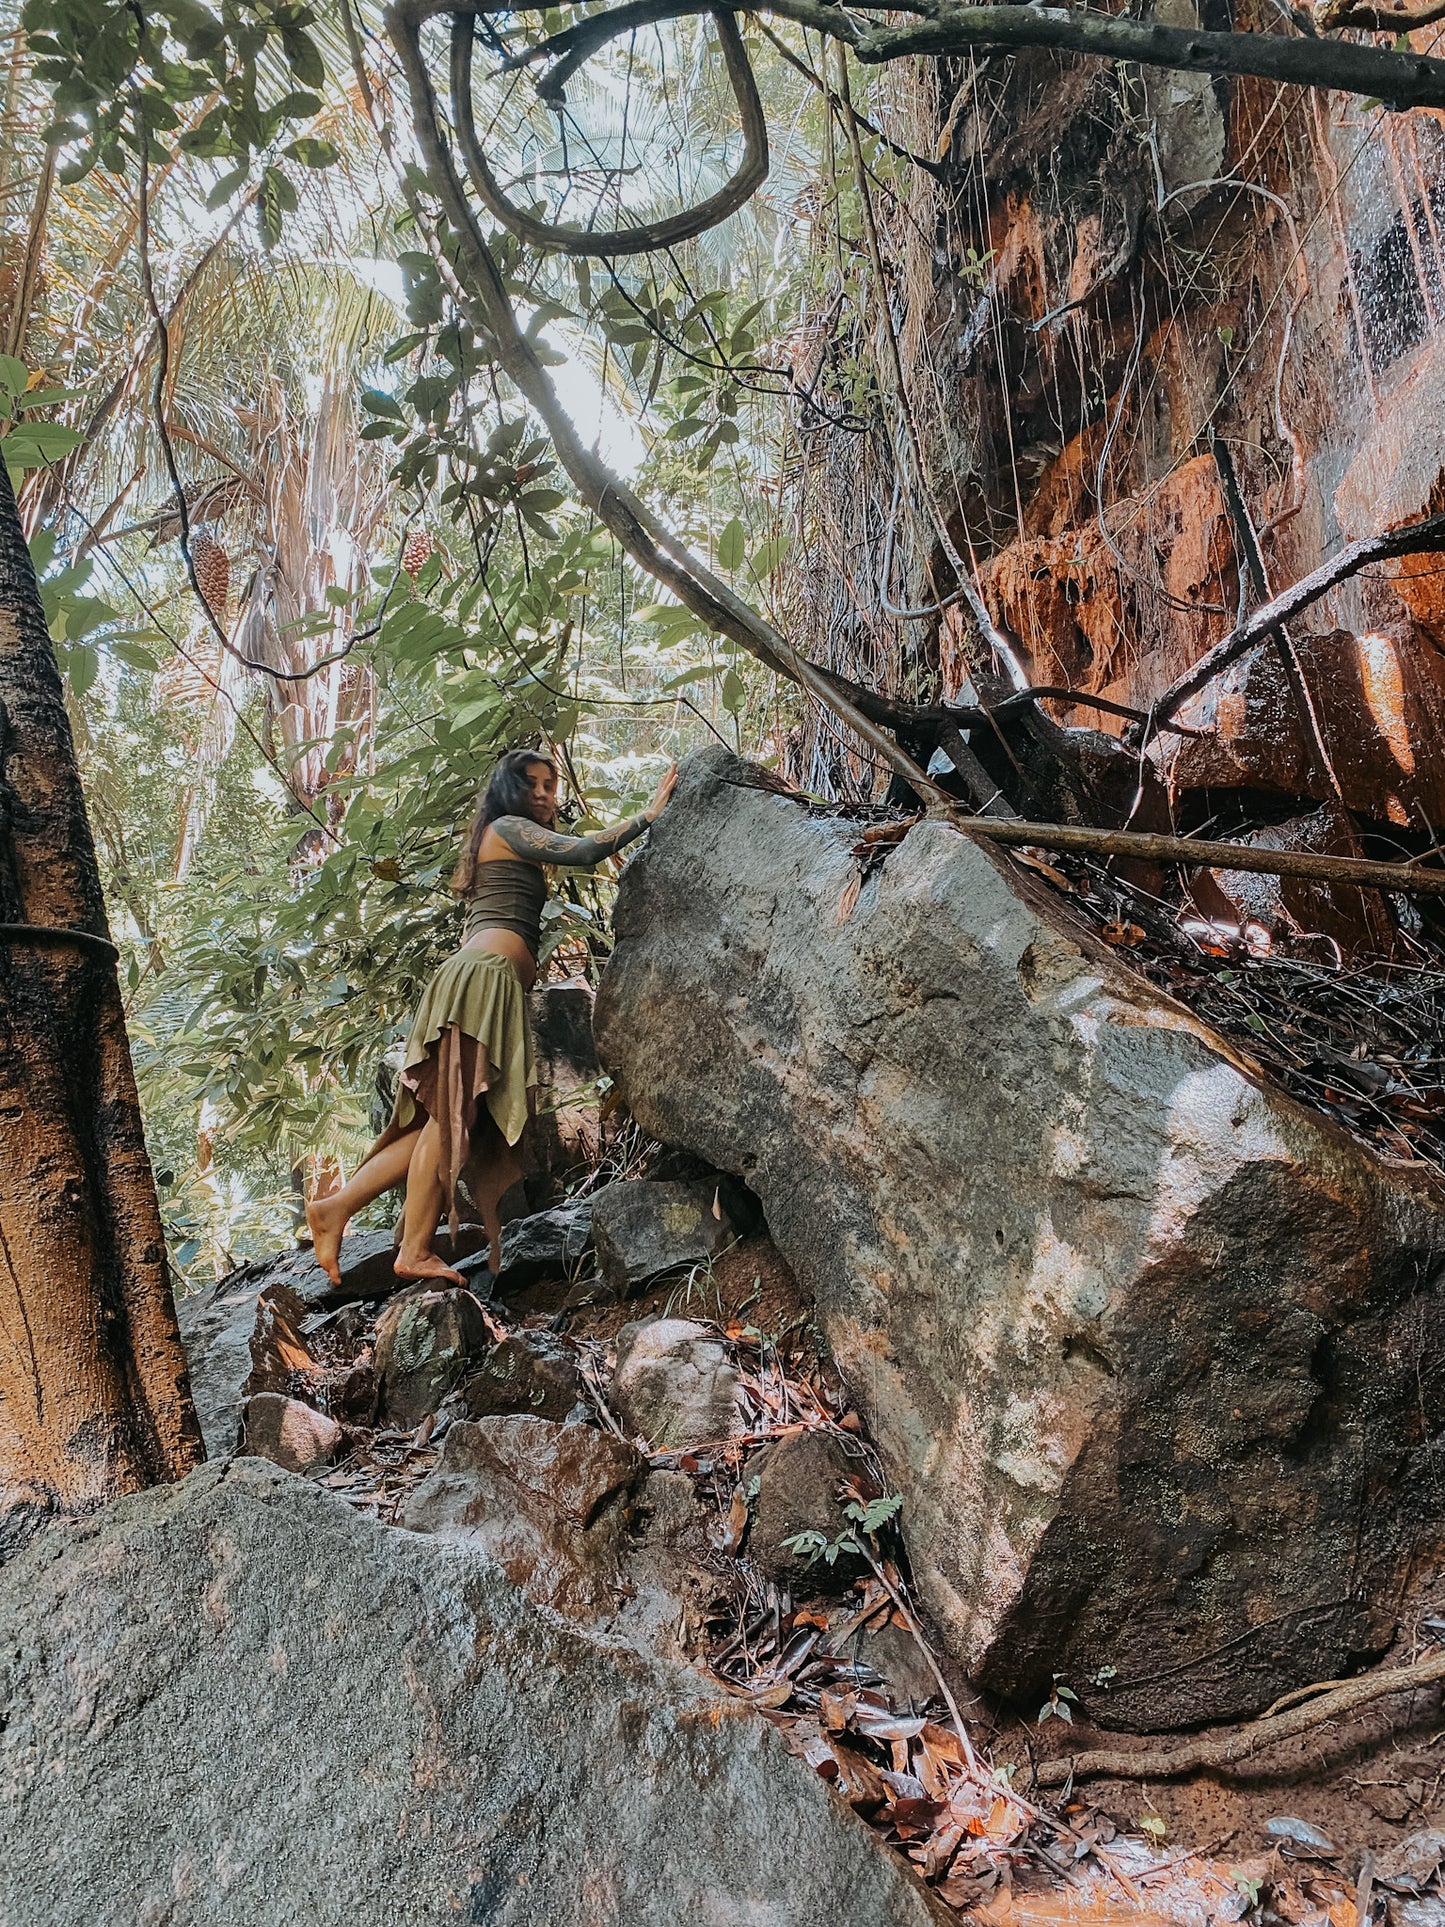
[476,283]
[647,236]
[1398,79]
[1420,538]
[1401,878]
[1343,13]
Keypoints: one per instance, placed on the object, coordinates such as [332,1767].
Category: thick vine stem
[1399,80]
[477,284]
[647,236]
[1222,1750]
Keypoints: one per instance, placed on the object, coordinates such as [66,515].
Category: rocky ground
[638,1423]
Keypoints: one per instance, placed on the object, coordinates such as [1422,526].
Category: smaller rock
[353,1392]
[675,1385]
[547,1502]
[798,1480]
[669,1575]
[290,1434]
[890,1649]
[549,1244]
[216,1327]
[425,1342]
[279,1351]
[529,1372]
[645,1229]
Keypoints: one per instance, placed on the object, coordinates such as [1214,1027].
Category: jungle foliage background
[276,853]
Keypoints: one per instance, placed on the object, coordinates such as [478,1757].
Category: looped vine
[647,236]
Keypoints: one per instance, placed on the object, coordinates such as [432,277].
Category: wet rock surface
[1141,1342]
[674,1385]
[425,1342]
[530,1372]
[648,1230]
[236,1699]
[547,1502]
[545,1244]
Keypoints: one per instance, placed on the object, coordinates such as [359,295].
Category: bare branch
[1400,80]
[1419,538]
[1400,878]
[1342,13]
[647,236]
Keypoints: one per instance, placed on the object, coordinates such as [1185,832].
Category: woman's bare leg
[327,1218]
[494,1168]
[416,1259]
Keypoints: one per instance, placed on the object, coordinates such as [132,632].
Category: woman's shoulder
[520,837]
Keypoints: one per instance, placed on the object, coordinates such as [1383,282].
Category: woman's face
[541,800]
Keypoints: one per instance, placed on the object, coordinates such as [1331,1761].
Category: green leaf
[314,153]
[227,185]
[82,665]
[13,375]
[734,692]
[134,653]
[732,545]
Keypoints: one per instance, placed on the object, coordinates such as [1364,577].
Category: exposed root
[1227,1749]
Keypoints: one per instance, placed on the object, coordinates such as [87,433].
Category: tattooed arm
[533,844]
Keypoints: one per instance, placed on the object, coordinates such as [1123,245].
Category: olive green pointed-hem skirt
[469,1040]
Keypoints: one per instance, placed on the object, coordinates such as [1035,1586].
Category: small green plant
[876,1514]
[812,1545]
[1155,1826]
[1056,1706]
[1251,1889]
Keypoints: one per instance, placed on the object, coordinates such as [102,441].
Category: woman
[469,1038]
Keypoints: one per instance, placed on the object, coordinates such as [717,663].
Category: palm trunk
[94,1395]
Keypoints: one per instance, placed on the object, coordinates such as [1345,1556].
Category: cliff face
[1146,1348]
[1112,275]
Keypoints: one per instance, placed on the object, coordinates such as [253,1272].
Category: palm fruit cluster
[417,550]
[213,574]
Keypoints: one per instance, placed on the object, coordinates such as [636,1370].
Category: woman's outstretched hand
[663,792]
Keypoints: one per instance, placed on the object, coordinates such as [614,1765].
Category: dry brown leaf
[836,1709]
[777,1694]
[737,1521]
[848,902]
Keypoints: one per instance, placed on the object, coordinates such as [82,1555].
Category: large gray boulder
[1152,1353]
[237,1700]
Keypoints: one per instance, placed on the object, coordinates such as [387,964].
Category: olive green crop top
[509,892]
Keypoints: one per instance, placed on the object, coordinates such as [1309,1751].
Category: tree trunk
[94,1395]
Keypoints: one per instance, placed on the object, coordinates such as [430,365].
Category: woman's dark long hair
[505,795]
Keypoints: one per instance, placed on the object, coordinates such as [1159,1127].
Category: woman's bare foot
[326,1220]
[424,1264]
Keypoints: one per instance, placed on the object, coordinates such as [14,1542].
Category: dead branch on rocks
[1341,13]
[1356,871]
[1240,1742]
